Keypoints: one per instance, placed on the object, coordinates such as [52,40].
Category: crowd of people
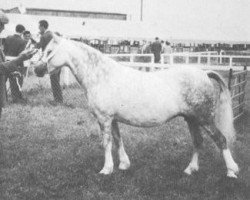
[157,48]
[21,47]
[8,67]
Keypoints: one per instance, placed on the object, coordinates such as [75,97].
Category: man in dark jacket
[13,46]
[156,50]
[46,36]
[10,66]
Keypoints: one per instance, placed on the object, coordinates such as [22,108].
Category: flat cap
[3,18]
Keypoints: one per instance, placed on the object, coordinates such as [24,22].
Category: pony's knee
[107,139]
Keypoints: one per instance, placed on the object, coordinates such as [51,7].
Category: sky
[202,19]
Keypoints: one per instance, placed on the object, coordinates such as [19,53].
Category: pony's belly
[145,117]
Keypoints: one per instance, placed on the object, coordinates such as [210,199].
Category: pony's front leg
[107,145]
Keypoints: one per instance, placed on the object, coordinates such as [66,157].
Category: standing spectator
[46,36]
[13,46]
[30,42]
[156,50]
[166,48]
[162,46]
[10,66]
[145,47]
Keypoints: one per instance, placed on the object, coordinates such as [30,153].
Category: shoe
[20,101]
[55,103]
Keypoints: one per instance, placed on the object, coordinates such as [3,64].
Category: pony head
[53,58]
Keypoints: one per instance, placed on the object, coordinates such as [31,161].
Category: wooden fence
[209,58]
[236,84]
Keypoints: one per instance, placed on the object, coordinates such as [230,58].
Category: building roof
[71,5]
[85,28]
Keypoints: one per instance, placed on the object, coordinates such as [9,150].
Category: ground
[54,152]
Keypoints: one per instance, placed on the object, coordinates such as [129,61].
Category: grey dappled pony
[116,93]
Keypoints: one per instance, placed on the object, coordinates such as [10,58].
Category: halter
[46,60]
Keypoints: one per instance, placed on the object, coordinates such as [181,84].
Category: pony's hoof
[233,170]
[190,169]
[231,174]
[106,171]
[124,165]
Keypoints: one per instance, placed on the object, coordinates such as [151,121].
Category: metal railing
[236,83]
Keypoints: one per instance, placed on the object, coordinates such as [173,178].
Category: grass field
[54,152]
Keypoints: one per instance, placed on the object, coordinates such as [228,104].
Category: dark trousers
[3,90]
[56,87]
[16,82]
[157,57]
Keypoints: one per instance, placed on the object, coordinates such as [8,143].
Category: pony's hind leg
[123,157]
[221,142]
[194,128]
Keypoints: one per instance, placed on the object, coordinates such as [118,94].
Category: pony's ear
[56,38]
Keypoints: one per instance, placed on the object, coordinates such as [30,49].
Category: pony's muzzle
[40,69]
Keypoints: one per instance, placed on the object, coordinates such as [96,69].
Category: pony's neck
[89,66]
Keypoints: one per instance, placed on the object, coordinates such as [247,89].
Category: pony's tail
[224,119]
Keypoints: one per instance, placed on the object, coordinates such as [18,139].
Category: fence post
[230,79]
[187,59]
[171,59]
[131,58]
[152,58]
[230,61]
[220,57]
[209,59]
[199,59]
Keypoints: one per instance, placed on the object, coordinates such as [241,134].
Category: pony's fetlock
[124,165]
[233,171]
[106,171]
[232,167]
[192,167]
[232,174]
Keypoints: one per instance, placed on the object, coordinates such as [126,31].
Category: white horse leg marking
[123,157]
[107,144]
[195,131]
[124,160]
[193,165]
[221,142]
[232,167]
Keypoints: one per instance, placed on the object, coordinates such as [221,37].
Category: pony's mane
[85,47]
[96,57]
